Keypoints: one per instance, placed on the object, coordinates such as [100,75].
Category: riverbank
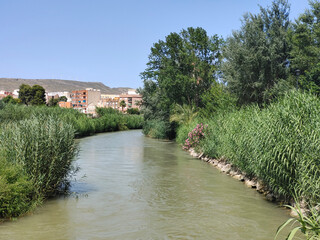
[277,145]
[153,187]
[38,149]
[227,168]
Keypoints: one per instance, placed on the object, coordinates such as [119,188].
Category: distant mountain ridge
[58,85]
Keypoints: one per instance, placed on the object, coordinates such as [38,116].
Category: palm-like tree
[183,114]
[123,104]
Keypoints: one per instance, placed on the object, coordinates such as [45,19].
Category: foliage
[10,100]
[16,191]
[34,95]
[133,111]
[105,111]
[305,51]
[307,223]
[257,54]
[216,99]
[180,69]
[122,104]
[157,129]
[183,114]
[109,119]
[278,144]
[45,147]
[195,136]
[54,101]
[63,99]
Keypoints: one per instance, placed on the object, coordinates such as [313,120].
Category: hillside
[57,85]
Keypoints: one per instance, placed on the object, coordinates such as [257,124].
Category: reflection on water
[140,188]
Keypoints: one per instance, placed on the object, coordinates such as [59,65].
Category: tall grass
[279,144]
[37,150]
[109,119]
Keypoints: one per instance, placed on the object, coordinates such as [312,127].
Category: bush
[195,136]
[133,111]
[156,129]
[17,193]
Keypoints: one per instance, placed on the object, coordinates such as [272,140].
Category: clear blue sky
[103,40]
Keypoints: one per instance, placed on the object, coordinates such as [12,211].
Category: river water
[133,187]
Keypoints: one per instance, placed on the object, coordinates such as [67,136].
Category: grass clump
[37,162]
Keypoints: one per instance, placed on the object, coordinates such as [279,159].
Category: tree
[305,53]
[184,65]
[122,104]
[34,95]
[217,98]
[180,69]
[25,94]
[63,99]
[256,56]
[10,100]
[38,94]
[53,102]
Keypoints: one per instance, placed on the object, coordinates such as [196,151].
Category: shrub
[195,136]
[156,129]
[17,192]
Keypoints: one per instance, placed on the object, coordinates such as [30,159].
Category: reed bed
[37,150]
[279,144]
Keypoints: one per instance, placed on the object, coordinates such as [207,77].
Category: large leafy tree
[256,56]
[305,53]
[34,95]
[180,69]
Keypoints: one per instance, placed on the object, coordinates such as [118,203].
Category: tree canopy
[257,55]
[34,95]
[305,53]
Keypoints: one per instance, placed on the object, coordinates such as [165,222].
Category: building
[108,96]
[4,94]
[56,95]
[132,99]
[65,104]
[109,102]
[86,100]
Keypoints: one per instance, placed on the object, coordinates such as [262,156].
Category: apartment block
[109,102]
[132,99]
[86,100]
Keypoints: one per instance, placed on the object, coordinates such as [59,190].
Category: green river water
[133,187]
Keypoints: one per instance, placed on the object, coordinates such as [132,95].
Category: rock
[260,187]
[220,166]
[238,177]
[226,168]
[270,197]
[214,163]
[250,183]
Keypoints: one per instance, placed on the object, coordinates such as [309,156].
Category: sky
[102,40]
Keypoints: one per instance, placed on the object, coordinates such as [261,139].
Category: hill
[57,85]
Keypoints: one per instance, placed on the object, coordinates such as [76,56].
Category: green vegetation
[37,150]
[261,103]
[308,224]
[180,70]
[278,144]
[34,95]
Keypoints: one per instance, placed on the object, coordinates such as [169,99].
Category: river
[133,187]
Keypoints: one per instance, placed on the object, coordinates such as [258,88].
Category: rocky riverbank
[223,166]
